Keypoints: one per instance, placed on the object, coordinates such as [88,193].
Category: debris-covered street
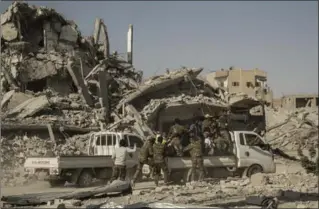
[59,87]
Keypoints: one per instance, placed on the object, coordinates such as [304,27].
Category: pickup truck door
[241,150]
[252,153]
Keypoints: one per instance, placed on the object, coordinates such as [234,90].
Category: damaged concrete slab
[29,107]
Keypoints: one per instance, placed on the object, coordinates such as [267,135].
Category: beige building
[251,82]
[297,101]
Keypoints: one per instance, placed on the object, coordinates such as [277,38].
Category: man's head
[160,139]
[208,116]
[206,134]
[122,143]
[177,121]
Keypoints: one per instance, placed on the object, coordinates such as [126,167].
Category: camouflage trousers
[197,163]
[157,172]
[176,143]
[119,171]
[140,165]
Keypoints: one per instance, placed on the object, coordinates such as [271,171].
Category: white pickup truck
[250,155]
[81,170]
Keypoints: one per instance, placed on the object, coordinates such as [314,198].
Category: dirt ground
[217,194]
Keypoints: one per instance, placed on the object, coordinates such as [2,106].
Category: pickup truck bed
[209,161]
[69,162]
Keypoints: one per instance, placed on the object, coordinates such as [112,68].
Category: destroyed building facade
[250,82]
[296,101]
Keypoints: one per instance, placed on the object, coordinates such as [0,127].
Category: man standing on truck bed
[145,157]
[223,141]
[196,152]
[119,156]
[176,132]
[159,150]
[207,124]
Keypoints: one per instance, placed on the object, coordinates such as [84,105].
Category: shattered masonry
[55,79]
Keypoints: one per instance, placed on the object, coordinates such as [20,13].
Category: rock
[61,206]
[137,192]
[73,202]
[9,31]
[29,107]
[6,98]
[68,33]
[161,189]
[259,179]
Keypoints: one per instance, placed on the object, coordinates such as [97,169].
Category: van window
[114,140]
[253,140]
[103,140]
[241,139]
[98,139]
[135,140]
[109,139]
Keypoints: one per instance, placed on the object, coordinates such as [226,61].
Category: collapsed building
[60,86]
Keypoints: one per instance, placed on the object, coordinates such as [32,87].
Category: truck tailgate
[85,161]
[209,161]
[41,162]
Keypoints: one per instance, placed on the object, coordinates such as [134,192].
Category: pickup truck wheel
[253,170]
[56,182]
[85,179]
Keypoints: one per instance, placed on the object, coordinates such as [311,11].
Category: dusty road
[208,195]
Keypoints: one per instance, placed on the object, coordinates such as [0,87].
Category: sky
[279,37]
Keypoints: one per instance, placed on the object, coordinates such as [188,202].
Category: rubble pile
[291,131]
[14,149]
[42,52]
[76,145]
[54,79]
[156,104]
[291,185]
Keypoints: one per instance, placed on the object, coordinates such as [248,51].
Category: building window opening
[249,84]
[301,102]
[257,84]
[37,85]
[235,83]
[221,84]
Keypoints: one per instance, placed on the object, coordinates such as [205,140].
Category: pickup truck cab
[250,155]
[97,163]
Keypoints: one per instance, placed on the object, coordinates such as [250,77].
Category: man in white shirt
[119,157]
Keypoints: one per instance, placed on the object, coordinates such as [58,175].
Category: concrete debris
[290,131]
[58,87]
[68,198]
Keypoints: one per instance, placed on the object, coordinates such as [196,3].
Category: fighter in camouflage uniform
[196,152]
[176,132]
[145,157]
[159,150]
[223,142]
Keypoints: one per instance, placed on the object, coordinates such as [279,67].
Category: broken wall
[37,43]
